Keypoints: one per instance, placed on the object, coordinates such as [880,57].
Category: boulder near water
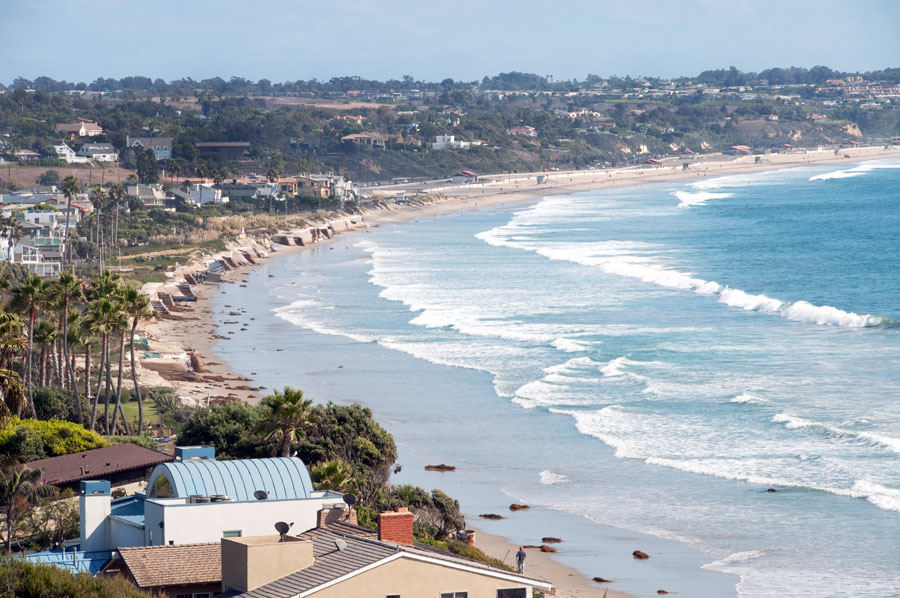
[640,555]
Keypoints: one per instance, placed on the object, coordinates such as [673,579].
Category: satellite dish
[282,528]
[350,499]
[261,495]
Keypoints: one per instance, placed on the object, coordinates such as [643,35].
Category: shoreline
[209,327]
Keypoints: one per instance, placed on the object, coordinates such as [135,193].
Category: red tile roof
[96,463]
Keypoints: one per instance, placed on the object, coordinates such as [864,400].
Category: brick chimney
[396,526]
[328,515]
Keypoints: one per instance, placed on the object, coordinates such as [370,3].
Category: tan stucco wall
[248,563]
[415,579]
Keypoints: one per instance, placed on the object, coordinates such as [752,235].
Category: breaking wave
[635,260]
[550,477]
[697,198]
[847,173]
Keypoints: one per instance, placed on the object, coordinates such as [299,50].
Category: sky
[286,40]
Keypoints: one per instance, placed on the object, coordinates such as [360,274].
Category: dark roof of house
[362,549]
[96,463]
[180,564]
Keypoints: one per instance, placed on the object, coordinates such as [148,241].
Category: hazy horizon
[282,41]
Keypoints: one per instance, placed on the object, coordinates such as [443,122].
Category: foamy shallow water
[663,366]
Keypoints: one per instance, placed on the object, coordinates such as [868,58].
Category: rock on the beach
[661,592]
[602,580]
[196,363]
[515,507]
[441,467]
[545,548]
[551,540]
[491,516]
[640,555]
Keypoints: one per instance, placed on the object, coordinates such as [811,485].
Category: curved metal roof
[281,478]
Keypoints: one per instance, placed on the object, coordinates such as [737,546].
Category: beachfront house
[443,142]
[151,195]
[199,194]
[373,140]
[63,152]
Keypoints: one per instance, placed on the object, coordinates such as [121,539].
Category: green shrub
[36,439]
[28,580]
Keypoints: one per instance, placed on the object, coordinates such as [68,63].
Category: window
[454,595]
[392,596]
[231,533]
[511,593]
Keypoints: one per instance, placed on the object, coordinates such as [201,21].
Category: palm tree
[19,489]
[137,307]
[288,416]
[116,194]
[44,337]
[27,298]
[103,312]
[119,325]
[70,187]
[66,289]
[334,474]
[97,196]
[12,393]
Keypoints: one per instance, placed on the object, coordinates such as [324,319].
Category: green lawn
[130,408]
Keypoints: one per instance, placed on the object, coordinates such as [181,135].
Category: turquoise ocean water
[653,358]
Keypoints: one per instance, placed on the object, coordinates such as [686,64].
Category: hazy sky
[434,39]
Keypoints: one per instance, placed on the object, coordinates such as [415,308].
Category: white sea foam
[880,496]
[571,346]
[856,171]
[747,398]
[737,557]
[550,477]
[697,198]
[640,261]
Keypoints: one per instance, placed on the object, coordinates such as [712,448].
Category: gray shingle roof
[363,549]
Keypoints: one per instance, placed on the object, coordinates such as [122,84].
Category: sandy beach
[199,327]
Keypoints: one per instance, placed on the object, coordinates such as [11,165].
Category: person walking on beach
[520,560]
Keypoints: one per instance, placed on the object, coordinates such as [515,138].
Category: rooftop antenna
[283,528]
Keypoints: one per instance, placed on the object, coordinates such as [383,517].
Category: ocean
[641,365]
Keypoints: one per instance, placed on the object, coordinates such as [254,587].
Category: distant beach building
[464,176]
[80,127]
[735,150]
[26,155]
[161,146]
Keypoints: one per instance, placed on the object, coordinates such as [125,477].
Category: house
[64,152]
[26,155]
[222,150]
[80,127]
[99,152]
[174,571]
[464,176]
[199,194]
[161,146]
[339,559]
[150,195]
[370,139]
[120,464]
[236,190]
[738,149]
[523,131]
[197,499]
[442,142]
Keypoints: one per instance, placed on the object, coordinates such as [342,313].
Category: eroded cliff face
[852,129]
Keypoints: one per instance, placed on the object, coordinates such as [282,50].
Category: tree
[19,489]
[335,475]
[287,416]
[351,434]
[48,177]
[229,428]
[27,297]
[116,194]
[137,307]
[97,197]
[66,289]
[44,337]
[70,188]
[147,167]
